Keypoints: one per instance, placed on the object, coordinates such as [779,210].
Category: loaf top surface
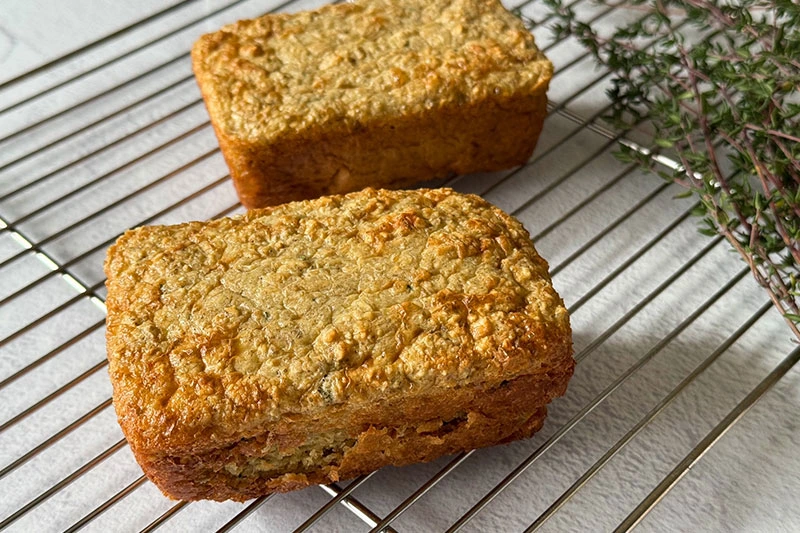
[345,65]
[217,329]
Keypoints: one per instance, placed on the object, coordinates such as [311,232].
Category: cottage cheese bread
[320,340]
[379,93]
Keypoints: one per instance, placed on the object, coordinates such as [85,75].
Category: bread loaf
[379,93]
[320,340]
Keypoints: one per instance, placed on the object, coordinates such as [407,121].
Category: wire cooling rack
[675,343]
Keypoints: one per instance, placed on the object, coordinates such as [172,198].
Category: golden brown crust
[374,93]
[375,448]
[335,316]
[455,421]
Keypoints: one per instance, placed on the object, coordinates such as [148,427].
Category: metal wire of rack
[114,135]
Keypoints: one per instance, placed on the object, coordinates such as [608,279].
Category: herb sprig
[727,108]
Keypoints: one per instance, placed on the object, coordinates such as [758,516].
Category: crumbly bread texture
[379,93]
[320,340]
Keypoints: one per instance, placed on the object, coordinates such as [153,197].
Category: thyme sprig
[727,108]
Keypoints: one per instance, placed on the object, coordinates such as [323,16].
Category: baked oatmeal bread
[320,340]
[379,93]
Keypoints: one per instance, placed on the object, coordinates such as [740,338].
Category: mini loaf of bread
[320,340]
[379,93]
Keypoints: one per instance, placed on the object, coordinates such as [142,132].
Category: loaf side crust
[343,313]
[371,93]
[453,422]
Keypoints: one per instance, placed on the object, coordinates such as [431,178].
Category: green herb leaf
[730,96]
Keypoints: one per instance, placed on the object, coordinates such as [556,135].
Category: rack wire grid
[675,342]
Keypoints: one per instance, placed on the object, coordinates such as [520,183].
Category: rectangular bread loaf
[320,340]
[379,93]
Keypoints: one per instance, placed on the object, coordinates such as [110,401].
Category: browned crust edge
[396,152]
[512,411]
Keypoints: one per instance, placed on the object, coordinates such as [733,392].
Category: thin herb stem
[731,95]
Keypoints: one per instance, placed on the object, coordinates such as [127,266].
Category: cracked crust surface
[372,309]
[371,93]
